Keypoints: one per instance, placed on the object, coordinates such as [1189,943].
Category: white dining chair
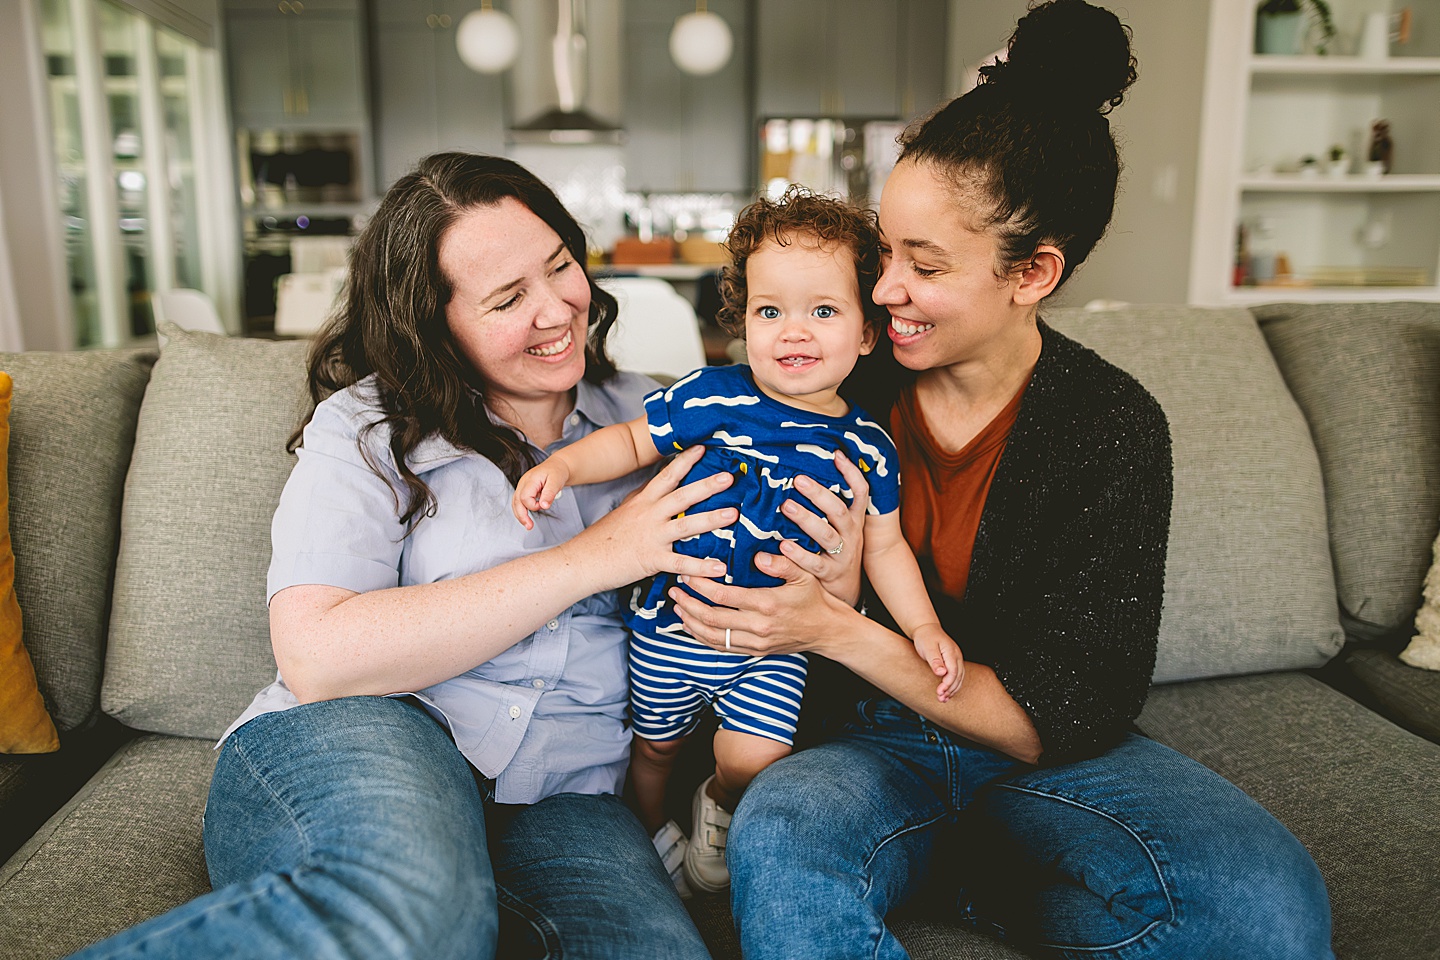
[657,330]
[187,309]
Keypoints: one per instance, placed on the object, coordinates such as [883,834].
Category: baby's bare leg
[650,764]
[738,758]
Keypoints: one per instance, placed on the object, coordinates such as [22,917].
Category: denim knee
[1143,852]
[360,819]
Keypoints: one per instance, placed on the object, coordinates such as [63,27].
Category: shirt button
[537,684]
[574,419]
[553,625]
[515,713]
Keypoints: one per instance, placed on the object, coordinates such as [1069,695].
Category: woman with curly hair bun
[1036,495]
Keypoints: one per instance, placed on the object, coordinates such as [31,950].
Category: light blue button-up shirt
[546,716]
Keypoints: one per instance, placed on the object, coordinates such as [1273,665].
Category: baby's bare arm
[607,454]
[610,452]
[890,564]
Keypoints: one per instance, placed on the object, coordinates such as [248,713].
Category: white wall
[1145,258]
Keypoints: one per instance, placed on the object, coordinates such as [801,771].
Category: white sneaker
[705,859]
[670,843]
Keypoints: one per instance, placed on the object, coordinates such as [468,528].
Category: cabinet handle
[297,6]
[431,20]
[445,21]
[302,101]
[284,6]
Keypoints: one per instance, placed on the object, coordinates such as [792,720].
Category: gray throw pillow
[189,631]
[72,424]
[1367,376]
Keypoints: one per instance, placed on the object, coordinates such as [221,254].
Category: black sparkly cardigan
[1068,571]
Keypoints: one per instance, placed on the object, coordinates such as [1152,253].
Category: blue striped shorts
[673,677]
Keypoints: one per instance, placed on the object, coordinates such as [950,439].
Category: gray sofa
[1307,496]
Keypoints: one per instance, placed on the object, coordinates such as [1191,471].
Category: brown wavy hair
[392,319]
[800,214]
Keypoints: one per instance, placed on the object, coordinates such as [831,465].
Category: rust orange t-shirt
[942,494]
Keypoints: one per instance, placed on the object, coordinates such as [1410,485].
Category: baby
[798,289]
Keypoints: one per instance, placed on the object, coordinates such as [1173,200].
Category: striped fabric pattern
[673,678]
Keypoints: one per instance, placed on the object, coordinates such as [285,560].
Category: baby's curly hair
[798,215]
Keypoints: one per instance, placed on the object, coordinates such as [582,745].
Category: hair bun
[1069,52]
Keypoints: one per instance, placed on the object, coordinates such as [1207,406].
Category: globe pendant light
[487,39]
[700,43]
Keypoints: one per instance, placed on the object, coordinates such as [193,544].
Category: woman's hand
[839,528]
[799,615]
[635,539]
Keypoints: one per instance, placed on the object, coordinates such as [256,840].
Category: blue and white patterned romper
[764,444]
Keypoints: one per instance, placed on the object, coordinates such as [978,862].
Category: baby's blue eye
[825,312]
[770,313]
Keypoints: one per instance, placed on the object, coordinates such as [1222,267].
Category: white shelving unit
[1347,236]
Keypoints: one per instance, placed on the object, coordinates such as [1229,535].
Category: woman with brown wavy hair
[435,773]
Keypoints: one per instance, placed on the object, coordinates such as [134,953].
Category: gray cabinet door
[404,100]
[426,98]
[829,58]
[922,56]
[259,59]
[793,68]
[864,58]
[295,69]
[325,64]
[683,132]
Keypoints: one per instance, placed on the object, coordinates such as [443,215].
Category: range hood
[566,82]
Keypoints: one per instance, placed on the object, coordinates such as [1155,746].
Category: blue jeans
[355,828]
[1138,853]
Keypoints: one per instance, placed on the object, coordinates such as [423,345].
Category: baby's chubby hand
[943,657]
[538,488]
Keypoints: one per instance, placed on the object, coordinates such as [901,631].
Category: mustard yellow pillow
[25,726]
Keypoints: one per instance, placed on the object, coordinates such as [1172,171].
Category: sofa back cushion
[189,632]
[72,427]
[1248,580]
[1367,376]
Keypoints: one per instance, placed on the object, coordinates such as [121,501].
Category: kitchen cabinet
[296,64]
[426,99]
[1275,218]
[684,133]
[849,58]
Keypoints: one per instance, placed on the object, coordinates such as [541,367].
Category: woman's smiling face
[804,323]
[519,305]
[946,303]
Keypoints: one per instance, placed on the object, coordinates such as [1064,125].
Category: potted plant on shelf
[1281,26]
[1339,162]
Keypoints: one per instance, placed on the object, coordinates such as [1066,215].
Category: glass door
[127,100]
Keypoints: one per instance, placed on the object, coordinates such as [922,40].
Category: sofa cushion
[1248,581]
[71,432]
[189,632]
[1354,788]
[1367,376]
[126,848]
[25,726]
[1378,679]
